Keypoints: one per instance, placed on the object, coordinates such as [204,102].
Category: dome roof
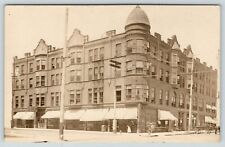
[137,15]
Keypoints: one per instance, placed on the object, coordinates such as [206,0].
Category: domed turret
[137,19]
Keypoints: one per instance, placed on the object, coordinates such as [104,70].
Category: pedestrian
[128,129]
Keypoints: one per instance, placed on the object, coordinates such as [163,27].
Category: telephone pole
[191,93]
[61,121]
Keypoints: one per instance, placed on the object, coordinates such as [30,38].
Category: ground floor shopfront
[139,117]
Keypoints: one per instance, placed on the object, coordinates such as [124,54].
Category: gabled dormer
[41,49]
[76,39]
[174,42]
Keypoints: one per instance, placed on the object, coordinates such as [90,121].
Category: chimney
[205,63]
[111,33]
[197,60]
[86,38]
[27,54]
[211,67]
[15,58]
[157,35]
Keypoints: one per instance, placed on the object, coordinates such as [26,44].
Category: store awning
[94,115]
[24,115]
[122,113]
[51,114]
[209,119]
[165,115]
[73,114]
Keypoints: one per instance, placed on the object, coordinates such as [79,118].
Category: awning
[51,114]
[165,115]
[94,115]
[24,115]
[73,114]
[209,119]
[122,113]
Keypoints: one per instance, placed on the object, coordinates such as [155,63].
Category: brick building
[151,87]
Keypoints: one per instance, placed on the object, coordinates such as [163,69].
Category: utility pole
[61,121]
[191,93]
[115,64]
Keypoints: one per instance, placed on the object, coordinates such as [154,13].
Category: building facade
[152,85]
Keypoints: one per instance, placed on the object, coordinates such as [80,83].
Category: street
[52,135]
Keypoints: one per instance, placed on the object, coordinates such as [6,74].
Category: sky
[198,26]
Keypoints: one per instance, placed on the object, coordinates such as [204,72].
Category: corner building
[152,87]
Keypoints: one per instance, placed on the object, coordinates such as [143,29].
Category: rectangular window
[37,81]
[160,96]
[167,56]
[101,53]
[78,96]
[30,100]
[161,55]
[72,58]
[153,72]
[90,55]
[167,98]
[42,80]
[96,54]
[152,95]
[90,72]
[161,74]
[22,69]
[95,73]
[53,63]
[89,96]
[17,70]
[57,99]
[52,80]
[17,84]
[129,67]
[78,75]
[139,67]
[101,72]
[78,57]
[140,46]
[58,63]
[101,94]
[31,67]
[42,99]
[22,102]
[118,93]
[37,100]
[22,84]
[38,64]
[57,81]
[52,99]
[43,63]
[118,72]
[167,77]
[95,98]
[128,92]
[118,49]
[174,60]
[72,75]
[31,83]
[72,96]
[17,102]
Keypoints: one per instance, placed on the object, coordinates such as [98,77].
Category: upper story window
[161,55]
[78,57]
[22,69]
[140,46]
[152,95]
[78,96]
[139,66]
[161,74]
[30,82]
[167,56]
[96,73]
[17,70]
[129,66]
[42,80]
[53,63]
[72,75]
[57,79]
[37,81]
[31,67]
[118,49]
[118,93]
[174,99]
[78,75]
[53,79]
[128,92]
[72,96]
[30,100]
[89,96]
[101,54]
[101,94]
[174,59]
[96,54]
[17,84]
[101,72]
[58,62]
[181,101]
[72,58]
[153,71]
[22,84]
[167,76]
[160,96]
[90,55]
[167,97]
[43,64]
[38,64]
[42,99]
[22,101]
[90,73]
